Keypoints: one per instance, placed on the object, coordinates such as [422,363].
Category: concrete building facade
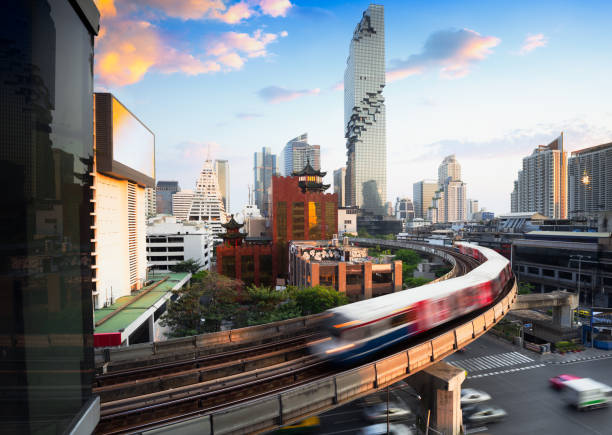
[342,267]
[181,204]
[119,207]
[542,182]
[222,170]
[347,221]
[170,241]
[404,209]
[364,114]
[207,203]
[590,181]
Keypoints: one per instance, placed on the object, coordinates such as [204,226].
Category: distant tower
[364,114]
[264,166]
[295,154]
[207,204]
[223,180]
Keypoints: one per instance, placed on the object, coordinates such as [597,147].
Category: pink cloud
[252,46]
[454,52]
[338,86]
[231,60]
[276,94]
[275,8]
[184,9]
[235,14]
[532,42]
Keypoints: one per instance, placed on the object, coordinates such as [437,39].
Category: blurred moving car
[483,414]
[558,382]
[308,425]
[381,428]
[586,394]
[378,412]
[470,396]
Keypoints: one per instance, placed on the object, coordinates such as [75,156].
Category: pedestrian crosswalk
[492,361]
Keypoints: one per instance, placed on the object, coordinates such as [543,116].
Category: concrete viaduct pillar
[440,389]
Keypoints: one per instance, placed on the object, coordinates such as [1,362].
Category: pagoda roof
[309,170]
[232,224]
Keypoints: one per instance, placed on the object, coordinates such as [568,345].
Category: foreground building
[590,181]
[542,183]
[46,164]
[364,114]
[345,268]
[169,242]
[123,168]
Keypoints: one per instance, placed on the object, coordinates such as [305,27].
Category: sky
[486,81]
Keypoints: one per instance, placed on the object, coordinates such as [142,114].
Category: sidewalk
[587,354]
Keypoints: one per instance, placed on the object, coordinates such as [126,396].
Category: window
[565,275]
[176,239]
[281,220]
[548,272]
[314,221]
[331,219]
[228,266]
[175,249]
[176,258]
[297,221]
[247,268]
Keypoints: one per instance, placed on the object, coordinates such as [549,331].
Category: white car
[470,396]
[381,428]
[483,414]
[378,412]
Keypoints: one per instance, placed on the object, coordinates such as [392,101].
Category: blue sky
[487,81]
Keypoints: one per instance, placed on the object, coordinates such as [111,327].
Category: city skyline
[277,92]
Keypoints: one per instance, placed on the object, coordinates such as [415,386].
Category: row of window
[165,240]
[168,258]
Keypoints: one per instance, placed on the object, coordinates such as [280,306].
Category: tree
[313,300]
[191,266]
[525,288]
[199,276]
[203,306]
[408,256]
[415,282]
[363,234]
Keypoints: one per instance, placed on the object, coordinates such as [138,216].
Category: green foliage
[364,234]
[411,282]
[199,276]
[377,252]
[408,256]
[191,266]
[317,299]
[442,271]
[525,288]
[388,237]
[202,306]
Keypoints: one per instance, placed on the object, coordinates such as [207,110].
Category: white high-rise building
[150,201]
[542,183]
[207,203]
[181,204]
[364,114]
[590,180]
[297,153]
[452,203]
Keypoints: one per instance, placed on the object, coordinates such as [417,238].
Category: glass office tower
[364,114]
[46,155]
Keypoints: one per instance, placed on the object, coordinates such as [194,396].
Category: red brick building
[301,211]
[252,261]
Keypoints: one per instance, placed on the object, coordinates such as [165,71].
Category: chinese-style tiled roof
[232,224]
[309,170]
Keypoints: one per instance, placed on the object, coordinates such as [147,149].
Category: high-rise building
[164,192]
[423,193]
[364,114]
[472,207]
[223,181]
[123,168]
[454,202]
[265,166]
[449,170]
[150,202]
[404,209]
[514,197]
[46,161]
[296,153]
[340,186]
[207,204]
[590,180]
[181,204]
[542,183]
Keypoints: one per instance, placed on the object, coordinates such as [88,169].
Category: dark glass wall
[46,345]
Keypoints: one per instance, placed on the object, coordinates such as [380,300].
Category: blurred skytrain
[362,328]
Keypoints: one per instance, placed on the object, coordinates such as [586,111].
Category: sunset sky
[486,81]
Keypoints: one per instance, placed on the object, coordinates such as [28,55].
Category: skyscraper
[150,201]
[364,114]
[340,186]
[207,204]
[297,153]
[542,183]
[181,204]
[451,203]
[264,166]
[590,180]
[164,192]
[423,193]
[223,181]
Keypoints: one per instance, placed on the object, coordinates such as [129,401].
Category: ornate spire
[310,179]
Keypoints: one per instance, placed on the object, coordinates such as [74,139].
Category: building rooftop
[135,307]
[592,149]
[576,234]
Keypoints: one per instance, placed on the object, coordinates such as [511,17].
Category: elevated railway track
[273,382]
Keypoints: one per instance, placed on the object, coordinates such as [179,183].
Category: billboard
[125,147]
[133,143]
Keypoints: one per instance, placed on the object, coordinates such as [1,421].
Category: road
[517,379]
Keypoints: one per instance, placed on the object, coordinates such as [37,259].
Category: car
[378,412]
[470,396]
[381,428]
[558,382]
[483,414]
